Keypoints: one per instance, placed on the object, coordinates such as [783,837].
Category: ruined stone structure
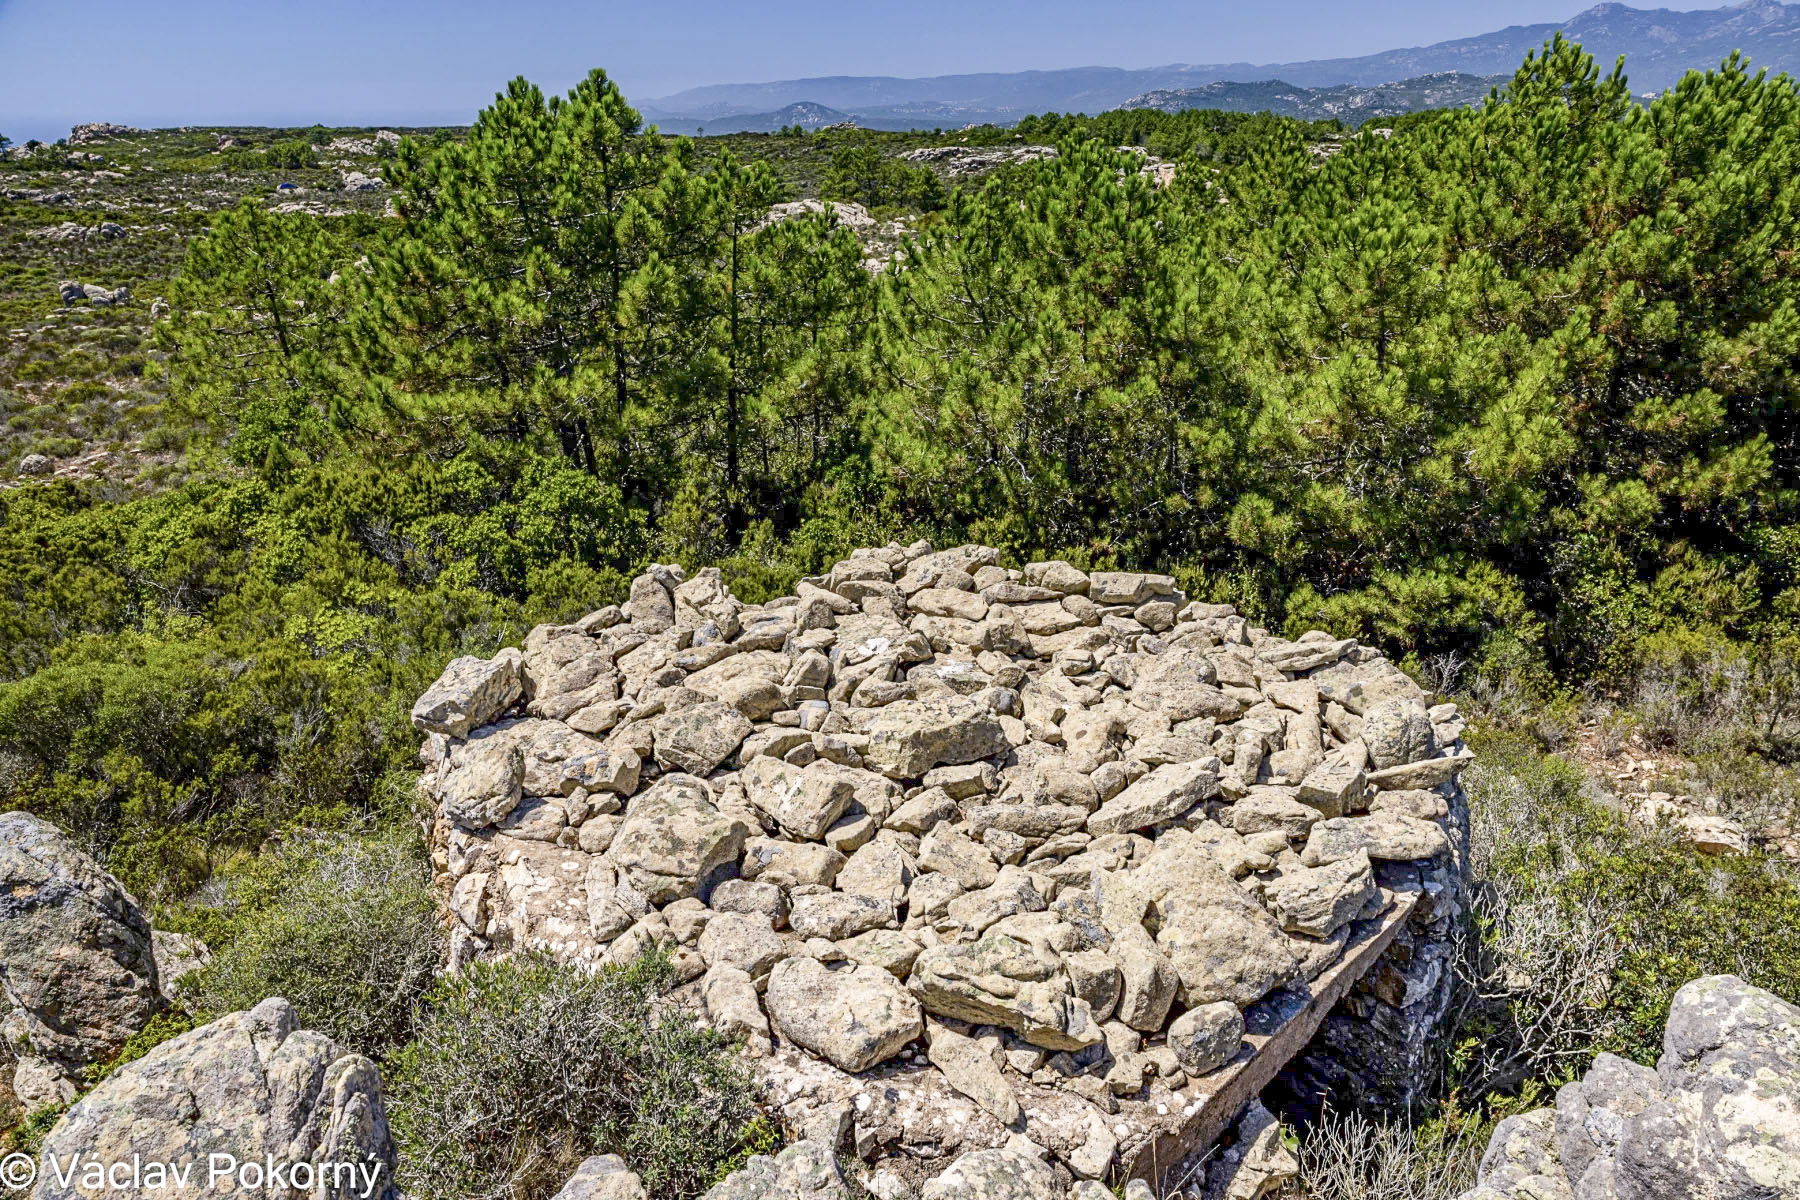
[973,858]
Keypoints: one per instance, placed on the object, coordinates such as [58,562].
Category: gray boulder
[675,843]
[1206,1038]
[1719,1119]
[854,1018]
[910,737]
[1161,796]
[470,693]
[1001,980]
[603,1177]
[251,1086]
[1318,901]
[77,965]
[1015,1171]
[699,737]
[1397,732]
[804,1171]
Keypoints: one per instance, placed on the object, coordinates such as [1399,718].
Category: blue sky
[288,62]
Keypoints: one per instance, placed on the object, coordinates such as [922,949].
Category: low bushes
[1587,926]
[1349,1157]
[347,931]
[521,1069]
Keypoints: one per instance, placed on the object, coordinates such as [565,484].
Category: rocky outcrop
[99,131]
[250,1088]
[1718,1119]
[1069,824]
[963,162]
[77,964]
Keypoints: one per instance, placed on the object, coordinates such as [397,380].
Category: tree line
[1515,383]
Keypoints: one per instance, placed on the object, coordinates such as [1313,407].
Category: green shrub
[347,931]
[1588,926]
[293,154]
[521,1069]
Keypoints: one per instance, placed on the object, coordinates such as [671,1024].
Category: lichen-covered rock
[1206,1038]
[1161,796]
[1222,944]
[1719,1119]
[805,803]
[1318,901]
[1388,836]
[971,1068]
[1015,1171]
[251,1085]
[1397,732]
[177,955]
[853,1017]
[910,737]
[675,843]
[603,1177]
[77,963]
[728,995]
[1001,980]
[470,693]
[699,737]
[807,1170]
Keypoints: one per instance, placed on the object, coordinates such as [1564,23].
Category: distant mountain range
[805,114]
[1351,103]
[1659,45]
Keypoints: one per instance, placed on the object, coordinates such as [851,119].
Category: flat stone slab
[905,1116]
[1277,1029]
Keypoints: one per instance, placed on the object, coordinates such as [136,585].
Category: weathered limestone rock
[1163,795]
[177,955]
[1321,900]
[1257,1164]
[1388,836]
[971,1070]
[487,785]
[909,738]
[805,803]
[1147,980]
[77,963]
[806,1170]
[696,739]
[1397,732]
[1000,980]
[470,693]
[1015,1171]
[855,1018]
[675,843]
[251,1085]
[1719,1118]
[1222,944]
[745,941]
[1206,1038]
[728,995]
[604,1177]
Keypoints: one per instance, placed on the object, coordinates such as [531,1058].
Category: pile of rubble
[958,851]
